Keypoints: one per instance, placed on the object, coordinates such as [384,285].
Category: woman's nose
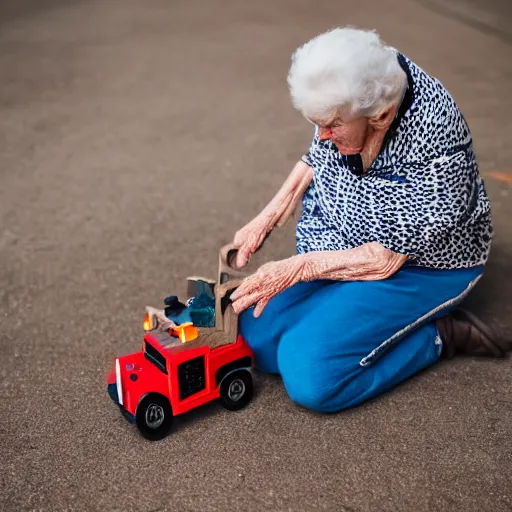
[324,133]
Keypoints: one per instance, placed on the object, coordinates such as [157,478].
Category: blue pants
[337,344]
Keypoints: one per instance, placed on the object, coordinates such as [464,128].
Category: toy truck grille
[191,377]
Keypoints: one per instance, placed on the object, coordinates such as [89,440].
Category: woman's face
[348,136]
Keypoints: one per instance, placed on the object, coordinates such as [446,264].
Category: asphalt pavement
[135,138]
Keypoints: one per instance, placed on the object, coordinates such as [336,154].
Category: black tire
[236,390]
[154,417]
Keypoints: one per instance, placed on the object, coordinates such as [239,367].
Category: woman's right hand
[250,238]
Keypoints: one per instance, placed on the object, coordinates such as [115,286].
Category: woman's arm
[277,212]
[369,262]
[290,194]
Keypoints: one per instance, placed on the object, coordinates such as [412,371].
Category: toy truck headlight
[149,322]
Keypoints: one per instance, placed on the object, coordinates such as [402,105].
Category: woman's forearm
[249,239]
[369,262]
[282,206]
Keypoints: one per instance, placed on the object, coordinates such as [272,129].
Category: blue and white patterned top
[422,197]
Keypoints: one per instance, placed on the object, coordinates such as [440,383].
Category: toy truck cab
[169,376]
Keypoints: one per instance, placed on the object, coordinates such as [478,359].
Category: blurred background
[136,137]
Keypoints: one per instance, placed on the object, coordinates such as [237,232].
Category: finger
[248,286]
[239,238]
[235,307]
[246,301]
[260,240]
[240,305]
[239,292]
[236,241]
[260,307]
[243,291]
[242,257]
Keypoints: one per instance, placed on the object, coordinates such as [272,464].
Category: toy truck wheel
[236,390]
[154,417]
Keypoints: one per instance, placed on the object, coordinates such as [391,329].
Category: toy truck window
[191,377]
[152,354]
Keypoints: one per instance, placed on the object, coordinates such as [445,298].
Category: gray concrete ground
[135,138]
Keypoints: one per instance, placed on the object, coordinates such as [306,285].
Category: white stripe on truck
[118,382]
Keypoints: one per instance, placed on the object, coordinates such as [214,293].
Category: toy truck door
[190,384]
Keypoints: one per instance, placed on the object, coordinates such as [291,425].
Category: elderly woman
[395,231]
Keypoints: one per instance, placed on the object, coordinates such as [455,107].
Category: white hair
[345,69]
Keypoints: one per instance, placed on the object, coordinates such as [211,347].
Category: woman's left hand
[270,279]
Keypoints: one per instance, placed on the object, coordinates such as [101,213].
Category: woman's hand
[250,238]
[270,279]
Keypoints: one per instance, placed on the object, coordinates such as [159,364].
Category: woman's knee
[309,395]
[321,390]
[311,377]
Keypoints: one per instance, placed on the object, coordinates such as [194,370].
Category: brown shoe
[463,333]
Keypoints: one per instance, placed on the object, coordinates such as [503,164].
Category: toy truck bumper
[112,391]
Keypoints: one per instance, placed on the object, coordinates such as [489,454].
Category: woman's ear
[383,119]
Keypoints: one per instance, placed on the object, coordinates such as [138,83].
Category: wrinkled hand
[249,239]
[270,279]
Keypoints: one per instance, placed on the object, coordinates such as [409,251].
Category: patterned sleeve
[306,159]
[433,209]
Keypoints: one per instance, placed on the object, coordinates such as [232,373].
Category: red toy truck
[172,375]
